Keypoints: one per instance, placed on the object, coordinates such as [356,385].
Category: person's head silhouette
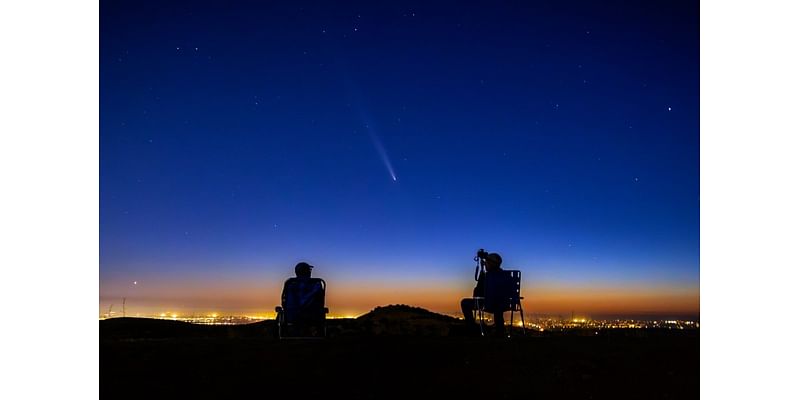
[303,270]
[493,261]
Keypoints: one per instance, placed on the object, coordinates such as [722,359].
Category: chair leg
[479,317]
[522,316]
[511,326]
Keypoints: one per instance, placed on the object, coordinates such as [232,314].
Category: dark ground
[394,354]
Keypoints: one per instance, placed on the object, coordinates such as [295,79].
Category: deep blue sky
[238,138]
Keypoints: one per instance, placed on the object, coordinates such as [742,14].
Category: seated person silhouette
[302,304]
[490,263]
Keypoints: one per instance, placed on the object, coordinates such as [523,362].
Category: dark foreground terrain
[396,353]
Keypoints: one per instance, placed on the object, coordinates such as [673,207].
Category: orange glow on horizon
[353,299]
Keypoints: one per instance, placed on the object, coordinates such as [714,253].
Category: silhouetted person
[303,298]
[491,264]
[304,290]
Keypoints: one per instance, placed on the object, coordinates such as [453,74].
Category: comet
[357,100]
[376,141]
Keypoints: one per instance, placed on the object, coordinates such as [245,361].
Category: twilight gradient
[240,138]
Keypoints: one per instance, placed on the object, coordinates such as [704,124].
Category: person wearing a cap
[491,264]
[303,270]
[307,290]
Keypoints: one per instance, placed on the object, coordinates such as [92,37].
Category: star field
[385,143]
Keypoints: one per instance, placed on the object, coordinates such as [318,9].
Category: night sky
[385,143]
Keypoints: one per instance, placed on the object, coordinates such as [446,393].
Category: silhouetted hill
[403,320]
[403,311]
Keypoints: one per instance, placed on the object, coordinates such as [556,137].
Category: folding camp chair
[502,293]
[301,314]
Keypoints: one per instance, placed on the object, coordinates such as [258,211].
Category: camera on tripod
[479,259]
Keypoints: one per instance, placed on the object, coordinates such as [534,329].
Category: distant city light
[534,322]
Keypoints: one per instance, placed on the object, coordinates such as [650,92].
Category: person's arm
[284,293]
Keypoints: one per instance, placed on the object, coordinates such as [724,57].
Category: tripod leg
[480,321]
